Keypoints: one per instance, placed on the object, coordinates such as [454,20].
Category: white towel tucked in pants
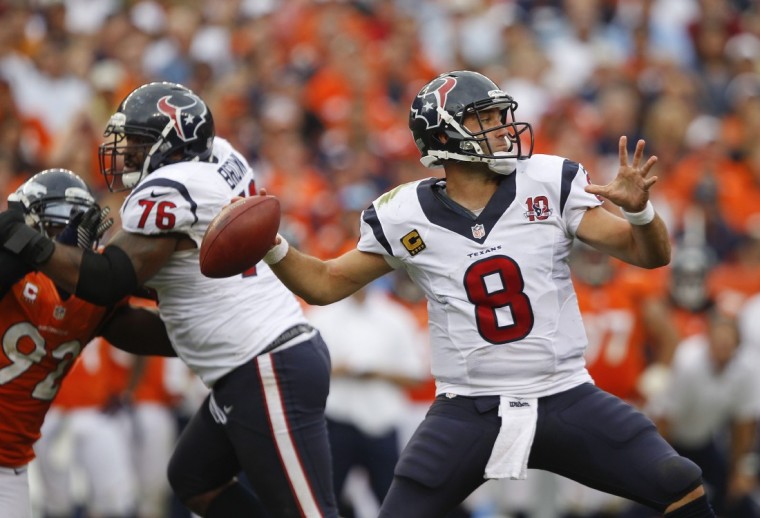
[509,457]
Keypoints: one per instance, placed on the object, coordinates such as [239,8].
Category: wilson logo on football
[413,243]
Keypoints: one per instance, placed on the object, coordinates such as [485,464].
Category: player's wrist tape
[644,217]
[278,252]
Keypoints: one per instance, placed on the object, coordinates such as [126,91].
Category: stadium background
[316,94]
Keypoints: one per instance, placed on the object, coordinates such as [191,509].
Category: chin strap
[133,178]
[504,166]
[430,161]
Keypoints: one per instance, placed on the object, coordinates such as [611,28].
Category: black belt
[287,336]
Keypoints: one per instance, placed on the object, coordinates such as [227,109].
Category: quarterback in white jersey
[503,314]
[489,244]
[245,336]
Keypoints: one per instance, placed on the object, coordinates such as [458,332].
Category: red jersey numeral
[497,283]
[165,220]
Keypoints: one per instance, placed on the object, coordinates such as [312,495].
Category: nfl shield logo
[478,231]
[59,312]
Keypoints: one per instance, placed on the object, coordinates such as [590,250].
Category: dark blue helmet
[440,107]
[51,197]
[157,124]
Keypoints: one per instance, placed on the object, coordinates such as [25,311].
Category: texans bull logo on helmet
[432,96]
[175,107]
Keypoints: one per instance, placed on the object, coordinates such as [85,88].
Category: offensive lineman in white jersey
[489,244]
[245,336]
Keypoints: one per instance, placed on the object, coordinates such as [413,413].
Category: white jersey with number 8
[504,318]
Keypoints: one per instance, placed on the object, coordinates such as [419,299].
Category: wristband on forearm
[643,217]
[31,246]
[106,278]
[278,252]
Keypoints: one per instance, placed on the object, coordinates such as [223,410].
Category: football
[239,236]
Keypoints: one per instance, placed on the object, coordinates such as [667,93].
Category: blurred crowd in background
[317,94]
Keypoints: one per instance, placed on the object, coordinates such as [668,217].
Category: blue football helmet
[440,107]
[51,198]
[157,124]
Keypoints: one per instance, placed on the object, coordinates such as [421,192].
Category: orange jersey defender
[42,336]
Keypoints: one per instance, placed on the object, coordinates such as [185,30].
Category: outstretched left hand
[630,188]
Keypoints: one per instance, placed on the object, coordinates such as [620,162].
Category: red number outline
[511,296]
[165,220]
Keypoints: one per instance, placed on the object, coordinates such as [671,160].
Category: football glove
[86,228]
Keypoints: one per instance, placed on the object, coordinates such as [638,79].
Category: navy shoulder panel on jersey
[569,170]
[445,213]
[370,218]
[165,182]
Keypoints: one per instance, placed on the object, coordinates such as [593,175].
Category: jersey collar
[442,211]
